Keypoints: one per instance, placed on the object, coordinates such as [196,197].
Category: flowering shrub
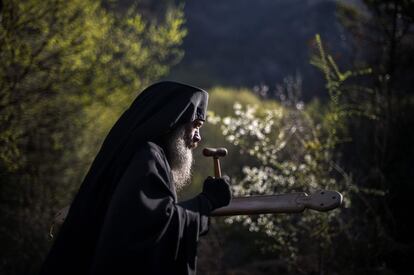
[289,152]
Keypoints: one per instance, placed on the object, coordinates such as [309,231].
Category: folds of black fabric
[145,230]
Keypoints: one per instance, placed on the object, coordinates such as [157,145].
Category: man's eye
[197,124]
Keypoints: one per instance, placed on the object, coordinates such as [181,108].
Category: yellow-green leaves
[68,68]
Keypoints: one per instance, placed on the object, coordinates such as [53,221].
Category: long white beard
[180,158]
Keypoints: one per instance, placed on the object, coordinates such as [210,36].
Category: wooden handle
[322,200]
[217,169]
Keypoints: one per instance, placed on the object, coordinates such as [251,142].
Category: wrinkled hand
[217,191]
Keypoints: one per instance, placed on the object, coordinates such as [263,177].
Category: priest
[125,218]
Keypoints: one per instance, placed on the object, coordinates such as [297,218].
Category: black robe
[125,218]
[145,230]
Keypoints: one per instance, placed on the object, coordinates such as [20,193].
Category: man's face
[192,133]
[180,144]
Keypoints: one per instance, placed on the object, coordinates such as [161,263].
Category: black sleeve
[199,204]
[145,230]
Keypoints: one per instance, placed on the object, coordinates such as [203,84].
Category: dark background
[245,43]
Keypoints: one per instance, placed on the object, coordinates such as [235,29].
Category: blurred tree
[67,70]
[381,154]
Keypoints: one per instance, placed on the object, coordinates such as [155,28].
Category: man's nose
[196,137]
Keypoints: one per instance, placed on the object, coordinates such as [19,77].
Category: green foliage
[67,71]
[336,84]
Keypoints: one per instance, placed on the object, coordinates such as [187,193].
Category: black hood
[154,113]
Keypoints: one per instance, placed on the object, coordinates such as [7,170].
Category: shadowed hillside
[245,43]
